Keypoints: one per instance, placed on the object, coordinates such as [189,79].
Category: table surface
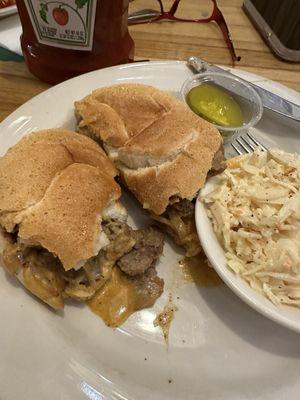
[172,41]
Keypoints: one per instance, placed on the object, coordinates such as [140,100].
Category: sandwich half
[163,151]
[63,229]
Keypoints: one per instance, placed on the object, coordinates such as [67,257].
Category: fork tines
[246,143]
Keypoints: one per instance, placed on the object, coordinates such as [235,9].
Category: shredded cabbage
[255,212]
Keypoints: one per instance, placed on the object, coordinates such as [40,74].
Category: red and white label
[67,24]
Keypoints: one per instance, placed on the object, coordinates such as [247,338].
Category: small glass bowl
[247,97]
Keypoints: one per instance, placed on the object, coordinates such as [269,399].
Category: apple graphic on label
[60,15]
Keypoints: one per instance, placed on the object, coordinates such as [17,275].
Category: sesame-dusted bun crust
[161,148]
[54,185]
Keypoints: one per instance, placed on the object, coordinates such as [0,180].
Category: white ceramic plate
[220,349]
[7,11]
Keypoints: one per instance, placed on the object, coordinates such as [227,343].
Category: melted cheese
[45,284]
[11,260]
[116,301]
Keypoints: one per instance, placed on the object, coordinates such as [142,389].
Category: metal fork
[246,143]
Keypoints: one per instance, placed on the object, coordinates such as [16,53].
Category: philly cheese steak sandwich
[64,231]
[162,150]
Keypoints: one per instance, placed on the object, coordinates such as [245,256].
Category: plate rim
[260,81]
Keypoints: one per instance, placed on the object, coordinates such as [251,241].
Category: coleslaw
[255,211]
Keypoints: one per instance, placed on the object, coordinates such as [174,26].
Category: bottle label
[68,24]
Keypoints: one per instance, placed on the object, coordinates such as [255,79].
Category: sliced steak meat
[178,221]
[184,207]
[121,237]
[148,248]
[218,164]
[148,288]
[113,228]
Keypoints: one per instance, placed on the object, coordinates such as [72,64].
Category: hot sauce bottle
[62,39]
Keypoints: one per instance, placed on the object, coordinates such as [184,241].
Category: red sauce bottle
[62,39]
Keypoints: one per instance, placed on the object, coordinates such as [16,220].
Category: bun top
[54,185]
[161,148]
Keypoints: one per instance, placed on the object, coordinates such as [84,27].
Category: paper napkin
[10,32]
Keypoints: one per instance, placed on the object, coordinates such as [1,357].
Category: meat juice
[62,39]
